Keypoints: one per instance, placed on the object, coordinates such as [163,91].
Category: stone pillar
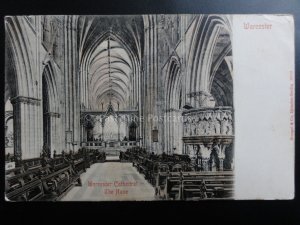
[167,131]
[180,130]
[118,121]
[221,165]
[81,134]
[103,124]
[53,119]
[220,150]
[205,152]
[71,81]
[26,143]
[172,131]
[151,106]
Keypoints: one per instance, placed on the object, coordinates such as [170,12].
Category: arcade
[145,100]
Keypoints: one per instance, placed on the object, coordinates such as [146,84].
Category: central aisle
[111,181]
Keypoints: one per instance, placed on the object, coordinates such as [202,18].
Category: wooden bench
[58,163]
[78,162]
[197,185]
[92,157]
[101,157]
[125,156]
[43,178]
[30,164]
[160,174]
[57,183]
[21,185]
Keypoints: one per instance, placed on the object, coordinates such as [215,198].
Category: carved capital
[26,100]
[220,150]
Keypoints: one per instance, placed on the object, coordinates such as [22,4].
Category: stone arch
[221,87]
[20,51]
[173,124]
[50,107]
[22,77]
[201,62]
[11,82]
[51,74]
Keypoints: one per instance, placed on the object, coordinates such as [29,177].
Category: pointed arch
[209,45]
[50,74]
[20,53]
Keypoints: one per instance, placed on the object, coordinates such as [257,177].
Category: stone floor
[111,181]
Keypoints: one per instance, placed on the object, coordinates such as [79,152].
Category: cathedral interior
[136,107]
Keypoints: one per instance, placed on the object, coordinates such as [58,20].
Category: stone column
[53,118]
[220,150]
[26,144]
[103,124]
[150,79]
[205,152]
[118,121]
[81,134]
[167,131]
[71,81]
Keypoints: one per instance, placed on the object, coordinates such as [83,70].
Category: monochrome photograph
[119,108]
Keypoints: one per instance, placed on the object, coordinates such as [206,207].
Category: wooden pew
[31,164]
[77,162]
[14,171]
[160,174]
[175,176]
[92,156]
[198,185]
[56,184]
[220,185]
[171,188]
[125,156]
[58,163]
[44,178]
[101,156]
[142,164]
[21,185]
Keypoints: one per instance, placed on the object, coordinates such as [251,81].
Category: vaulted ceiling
[110,52]
[109,74]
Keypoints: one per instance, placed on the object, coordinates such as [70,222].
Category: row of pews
[174,177]
[48,179]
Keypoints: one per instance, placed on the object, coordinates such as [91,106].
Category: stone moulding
[26,100]
[218,139]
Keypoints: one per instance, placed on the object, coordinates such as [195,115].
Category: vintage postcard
[149,107]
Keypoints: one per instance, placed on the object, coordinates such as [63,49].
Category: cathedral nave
[146,99]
